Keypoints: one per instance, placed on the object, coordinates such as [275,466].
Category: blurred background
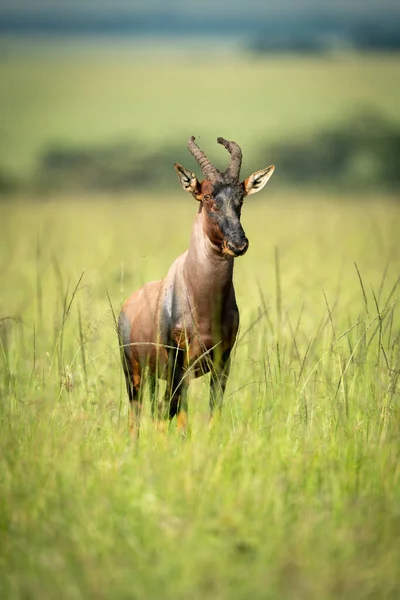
[102,96]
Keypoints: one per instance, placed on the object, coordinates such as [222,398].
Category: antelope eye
[207,197]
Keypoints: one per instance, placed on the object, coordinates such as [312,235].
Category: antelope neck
[206,269]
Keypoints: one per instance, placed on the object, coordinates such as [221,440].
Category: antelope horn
[206,165]
[233,170]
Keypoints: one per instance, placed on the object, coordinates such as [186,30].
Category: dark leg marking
[175,398]
[219,378]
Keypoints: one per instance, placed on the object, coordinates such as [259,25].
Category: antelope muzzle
[233,248]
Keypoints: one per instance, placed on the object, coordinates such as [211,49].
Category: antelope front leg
[175,398]
[219,379]
[176,401]
[182,409]
[134,419]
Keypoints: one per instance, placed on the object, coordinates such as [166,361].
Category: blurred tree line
[363,153]
[288,27]
[328,33]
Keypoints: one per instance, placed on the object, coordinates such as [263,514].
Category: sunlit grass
[295,494]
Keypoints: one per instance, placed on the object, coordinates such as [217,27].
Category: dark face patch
[222,204]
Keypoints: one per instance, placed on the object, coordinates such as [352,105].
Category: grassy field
[294,495]
[47,97]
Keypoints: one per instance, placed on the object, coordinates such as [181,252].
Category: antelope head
[221,196]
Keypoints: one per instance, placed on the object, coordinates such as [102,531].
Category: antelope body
[186,324]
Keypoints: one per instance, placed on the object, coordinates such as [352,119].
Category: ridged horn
[233,170]
[209,171]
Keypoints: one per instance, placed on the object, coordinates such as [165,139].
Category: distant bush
[326,33]
[373,37]
[298,44]
[8,182]
[361,153]
[107,167]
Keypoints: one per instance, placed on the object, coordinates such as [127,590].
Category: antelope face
[221,196]
[222,205]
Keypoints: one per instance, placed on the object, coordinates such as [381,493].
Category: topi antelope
[186,324]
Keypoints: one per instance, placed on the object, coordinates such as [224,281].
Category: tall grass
[295,494]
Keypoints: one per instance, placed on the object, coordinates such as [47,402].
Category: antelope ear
[256,181]
[188,181]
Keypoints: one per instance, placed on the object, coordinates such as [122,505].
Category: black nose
[238,249]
